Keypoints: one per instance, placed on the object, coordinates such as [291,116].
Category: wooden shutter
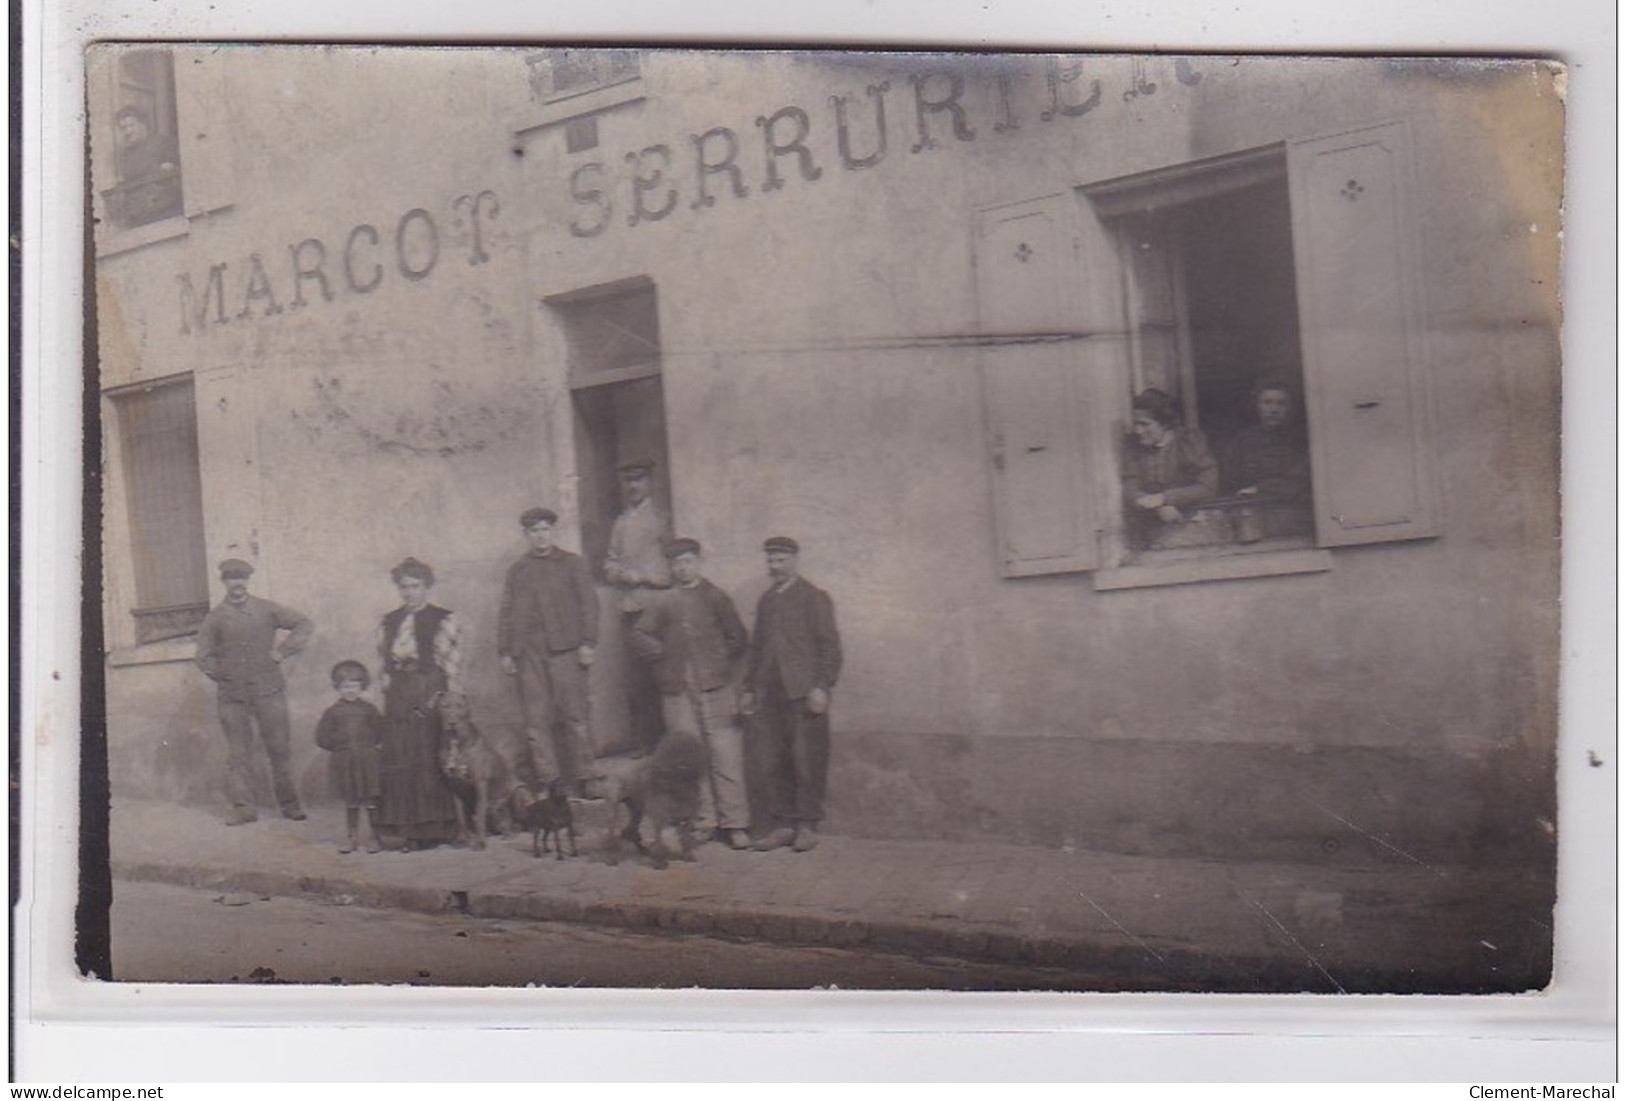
[1035,389]
[1359,310]
[158,431]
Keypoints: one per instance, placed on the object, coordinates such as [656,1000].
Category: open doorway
[612,333]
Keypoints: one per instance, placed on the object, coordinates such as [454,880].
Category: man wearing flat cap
[795,656]
[237,648]
[547,636]
[636,566]
[693,640]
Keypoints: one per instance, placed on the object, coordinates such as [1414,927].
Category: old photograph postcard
[776,520]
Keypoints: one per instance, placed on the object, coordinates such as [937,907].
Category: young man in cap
[237,649]
[547,633]
[636,566]
[795,656]
[692,641]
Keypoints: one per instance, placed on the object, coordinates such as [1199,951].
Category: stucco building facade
[895,306]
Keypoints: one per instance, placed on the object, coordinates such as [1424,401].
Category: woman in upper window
[1268,463]
[142,153]
[1268,460]
[1167,467]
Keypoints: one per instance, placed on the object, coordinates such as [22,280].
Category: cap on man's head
[533,516]
[682,546]
[635,466]
[782,543]
[235,567]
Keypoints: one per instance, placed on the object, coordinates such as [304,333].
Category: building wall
[820,381]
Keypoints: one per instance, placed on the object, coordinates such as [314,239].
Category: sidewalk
[1122,922]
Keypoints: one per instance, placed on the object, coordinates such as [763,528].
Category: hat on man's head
[682,546]
[235,567]
[635,465]
[782,543]
[533,516]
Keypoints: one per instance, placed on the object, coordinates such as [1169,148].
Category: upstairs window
[573,89]
[1277,283]
[145,140]
[560,74]
[161,133]
[1212,299]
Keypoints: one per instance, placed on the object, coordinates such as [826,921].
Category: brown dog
[663,787]
[474,769]
[545,814]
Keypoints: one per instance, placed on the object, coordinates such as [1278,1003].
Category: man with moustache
[237,649]
[795,657]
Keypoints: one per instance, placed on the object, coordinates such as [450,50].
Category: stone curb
[376,896]
[1112,967]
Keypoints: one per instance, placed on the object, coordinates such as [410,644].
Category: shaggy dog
[544,814]
[663,787]
[473,768]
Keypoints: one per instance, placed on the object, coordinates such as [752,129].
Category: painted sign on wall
[934,109]
[315,271]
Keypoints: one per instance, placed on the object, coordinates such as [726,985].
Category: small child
[352,730]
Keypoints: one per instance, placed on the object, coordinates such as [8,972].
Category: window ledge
[116,241]
[155,653]
[591,101]
[1216,568]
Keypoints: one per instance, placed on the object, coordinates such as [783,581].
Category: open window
[161,141]
[612,333]
[573,88]
[1210,288]
[146,141]
[1289,269]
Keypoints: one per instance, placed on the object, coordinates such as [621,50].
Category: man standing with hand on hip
[237,649]
[795,657]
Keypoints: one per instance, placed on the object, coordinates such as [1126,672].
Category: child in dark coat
[351,730]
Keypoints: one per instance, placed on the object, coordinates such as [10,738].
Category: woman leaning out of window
[1167,467]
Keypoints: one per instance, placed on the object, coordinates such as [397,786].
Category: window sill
[155,653]
[116,241]
[589,102]
[1227,567]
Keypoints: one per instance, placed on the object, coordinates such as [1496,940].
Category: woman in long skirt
[420,647]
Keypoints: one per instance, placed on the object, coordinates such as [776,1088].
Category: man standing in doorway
[547,633]
[636,565]
[795,657]
[237,649]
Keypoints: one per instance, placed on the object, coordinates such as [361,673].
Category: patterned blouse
[449,642]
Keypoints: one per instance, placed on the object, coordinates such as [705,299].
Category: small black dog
[545,815]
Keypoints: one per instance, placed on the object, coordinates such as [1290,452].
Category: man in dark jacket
[547,633]
[237,649]
[795,657]
[693,640]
